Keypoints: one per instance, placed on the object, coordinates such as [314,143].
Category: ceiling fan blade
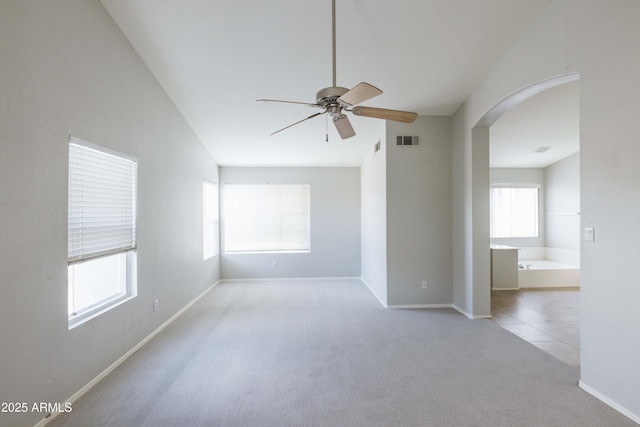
[360,93]
[382,113]
[343,125]
[299,121]
[288,102]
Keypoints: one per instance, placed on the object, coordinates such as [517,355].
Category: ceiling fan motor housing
[329,95]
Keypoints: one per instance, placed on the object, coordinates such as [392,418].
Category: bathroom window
[514,212]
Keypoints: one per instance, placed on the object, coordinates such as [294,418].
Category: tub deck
[544,273]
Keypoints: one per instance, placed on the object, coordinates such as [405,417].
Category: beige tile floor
[548,318]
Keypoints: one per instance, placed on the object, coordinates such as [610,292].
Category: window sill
[79,319]
[267,252]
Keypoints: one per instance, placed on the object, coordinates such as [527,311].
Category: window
[101,230]
[210,220]
[267,218]
[514,212]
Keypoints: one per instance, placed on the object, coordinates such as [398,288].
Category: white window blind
[210,220]
[267,218]
[102,202]
[514,212]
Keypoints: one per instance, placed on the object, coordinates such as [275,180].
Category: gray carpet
[326,353]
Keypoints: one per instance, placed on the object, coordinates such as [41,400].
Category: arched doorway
[535,221]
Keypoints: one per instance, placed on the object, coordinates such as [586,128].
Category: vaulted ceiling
[216,58]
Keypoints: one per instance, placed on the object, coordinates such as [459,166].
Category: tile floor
[548,318]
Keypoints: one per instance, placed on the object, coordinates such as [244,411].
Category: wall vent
[376,147]
[407,140]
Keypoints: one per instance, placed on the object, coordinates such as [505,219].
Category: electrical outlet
[155,305]
[274,264]
[424,284]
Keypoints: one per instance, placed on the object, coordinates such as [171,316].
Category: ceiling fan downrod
[336,100]
[333,34]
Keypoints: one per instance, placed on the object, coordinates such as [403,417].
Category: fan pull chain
[326,127]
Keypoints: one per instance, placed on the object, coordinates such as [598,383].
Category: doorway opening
[534,181]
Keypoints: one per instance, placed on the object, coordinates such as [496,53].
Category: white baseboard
[421,306]
[469,315]
[270,279]
[624,411]
[384,304]
[505,289]
[124,357]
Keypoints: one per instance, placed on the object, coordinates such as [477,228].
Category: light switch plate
[589,235]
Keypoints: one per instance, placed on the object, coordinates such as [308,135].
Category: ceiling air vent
[407,140]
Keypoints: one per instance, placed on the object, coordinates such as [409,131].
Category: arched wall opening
[480,139]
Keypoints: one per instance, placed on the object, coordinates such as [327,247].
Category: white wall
[406,215]
[605,37]
[65,68]
[419,213]
[335,224]
[522,177]
[373,181]
[563,199]
[598,40]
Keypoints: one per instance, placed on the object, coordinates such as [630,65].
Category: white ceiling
[548,119]
[216,58]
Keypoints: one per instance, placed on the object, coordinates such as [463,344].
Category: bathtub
[536,273]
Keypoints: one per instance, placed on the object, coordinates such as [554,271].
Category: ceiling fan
[336,100]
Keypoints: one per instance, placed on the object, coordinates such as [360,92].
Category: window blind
[210,219]
[102,202]
[267,218]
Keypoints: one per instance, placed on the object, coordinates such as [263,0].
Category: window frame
[130,289]
[536,211]
[81,255]
[210,225]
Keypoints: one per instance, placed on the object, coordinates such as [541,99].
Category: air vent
[407,140]
[376,147]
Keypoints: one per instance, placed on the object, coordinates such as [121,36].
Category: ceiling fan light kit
[335,99]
